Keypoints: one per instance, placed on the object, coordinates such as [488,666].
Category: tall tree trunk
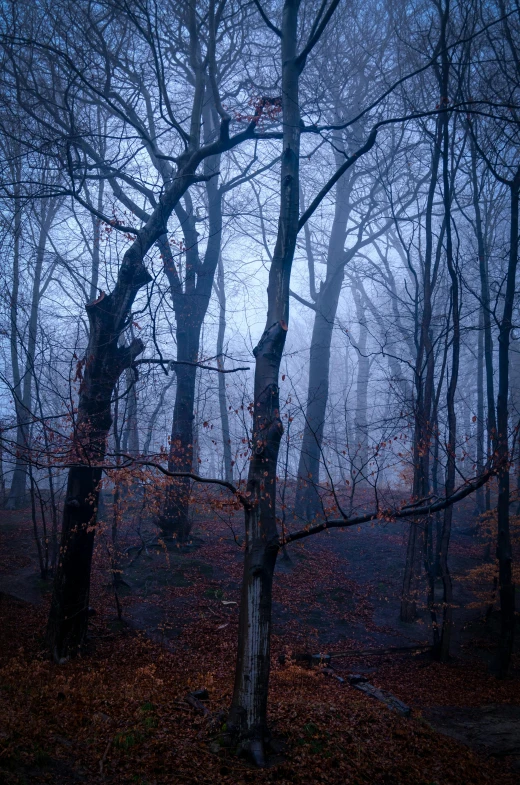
[2,476]
[190,305]
[451,447]
[222,398]
[360,451]
[504,549]
[249,705]
[96,243]
[177,522]
[17,491]
[485,309]
[308,502]
[174,520]
[424,373]
[514,394]
[131,427]
[480,496]
[48,211]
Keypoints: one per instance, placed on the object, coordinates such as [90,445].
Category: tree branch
[405,512]
[171,363]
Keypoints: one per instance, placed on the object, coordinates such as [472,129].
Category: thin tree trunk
[480,497]
[360,460]
[50,476]
[174,520]
[451,447]
[2,477]
[307,503]
[17,491]
[131,429]
[485,310]
[96,243]
[249,705]
[424,372]
[222,397]
[504,550]
[155,414]
[48,211]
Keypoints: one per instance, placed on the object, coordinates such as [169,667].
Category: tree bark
[451,447]
[485,308]
[360,448]
[504,549]
[247,717]
[105,361]
[17,491]
[190,305]
[222,398]
[424,373]
[480,496]
[307,503]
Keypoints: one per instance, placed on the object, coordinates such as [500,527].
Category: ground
[118,714]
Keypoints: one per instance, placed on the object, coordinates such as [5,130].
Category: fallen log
[324,659]
[195,701]
[394,704]
[330,672]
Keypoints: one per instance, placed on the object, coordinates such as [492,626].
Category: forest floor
[118,714]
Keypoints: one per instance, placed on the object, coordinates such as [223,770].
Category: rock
[201,695]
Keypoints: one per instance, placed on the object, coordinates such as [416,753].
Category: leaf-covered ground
[119,715]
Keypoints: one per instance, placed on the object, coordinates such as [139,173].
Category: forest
[259,392]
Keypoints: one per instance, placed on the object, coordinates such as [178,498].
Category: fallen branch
[324,659]
[194,700]
[375,652]
[393,703]
[103,759]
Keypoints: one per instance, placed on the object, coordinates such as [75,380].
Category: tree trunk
[68,619]
[504,550]
[308,502]
[360,451]
[222,398]
[190,303]
[451,447]
[424,373]
[174,520]
[96,243]
[248,710]
[16,495]
[131,428]
[480,497]
[485,311]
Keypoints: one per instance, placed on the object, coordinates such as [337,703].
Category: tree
[79,58]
